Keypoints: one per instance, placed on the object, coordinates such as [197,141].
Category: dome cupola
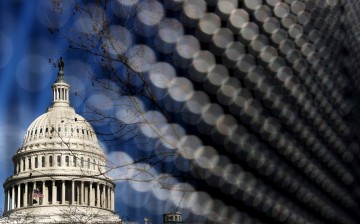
[60,123]
[60,88]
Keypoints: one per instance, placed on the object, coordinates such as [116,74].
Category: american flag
[37,194]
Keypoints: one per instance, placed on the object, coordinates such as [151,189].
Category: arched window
[98,165]
[82,162]
[23,164]
[36,162]
[29,160]
[74,161]
[43,161]
[59,160]
[50,161]
[88,163]
[67,161]
[94,164]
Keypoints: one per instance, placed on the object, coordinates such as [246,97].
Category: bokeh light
[254,100]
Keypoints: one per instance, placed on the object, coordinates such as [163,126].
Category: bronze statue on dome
[61,64]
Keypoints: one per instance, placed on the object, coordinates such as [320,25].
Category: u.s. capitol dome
[59,171]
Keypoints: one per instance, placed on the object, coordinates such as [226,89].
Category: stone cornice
[58,206]
[62,150]
[10,181]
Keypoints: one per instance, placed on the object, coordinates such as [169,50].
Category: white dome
[60,124]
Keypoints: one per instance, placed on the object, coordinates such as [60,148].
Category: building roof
[59,123]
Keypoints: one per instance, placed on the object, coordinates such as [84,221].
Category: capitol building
[59,171]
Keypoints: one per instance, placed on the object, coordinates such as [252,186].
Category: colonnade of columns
[60,192]
[61,93]
[39,161]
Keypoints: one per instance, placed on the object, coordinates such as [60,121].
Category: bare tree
[118,73]
[75,214]
[19,218]
[69,214]
[96,34]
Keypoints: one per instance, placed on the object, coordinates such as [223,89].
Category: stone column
[72,192]
[42,190]
[26,163]
[91,198]
[63,192]
[18,196]
[82,193]
[53,192]
[86,193]
[32,192]
[113,198]
[12,197]
[45,193]
[105,196]
[109,189]
[32,159]
[7,200]
[109,199]
[97,195]
[26,195]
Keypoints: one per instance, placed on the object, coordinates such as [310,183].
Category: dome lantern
[61,88]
